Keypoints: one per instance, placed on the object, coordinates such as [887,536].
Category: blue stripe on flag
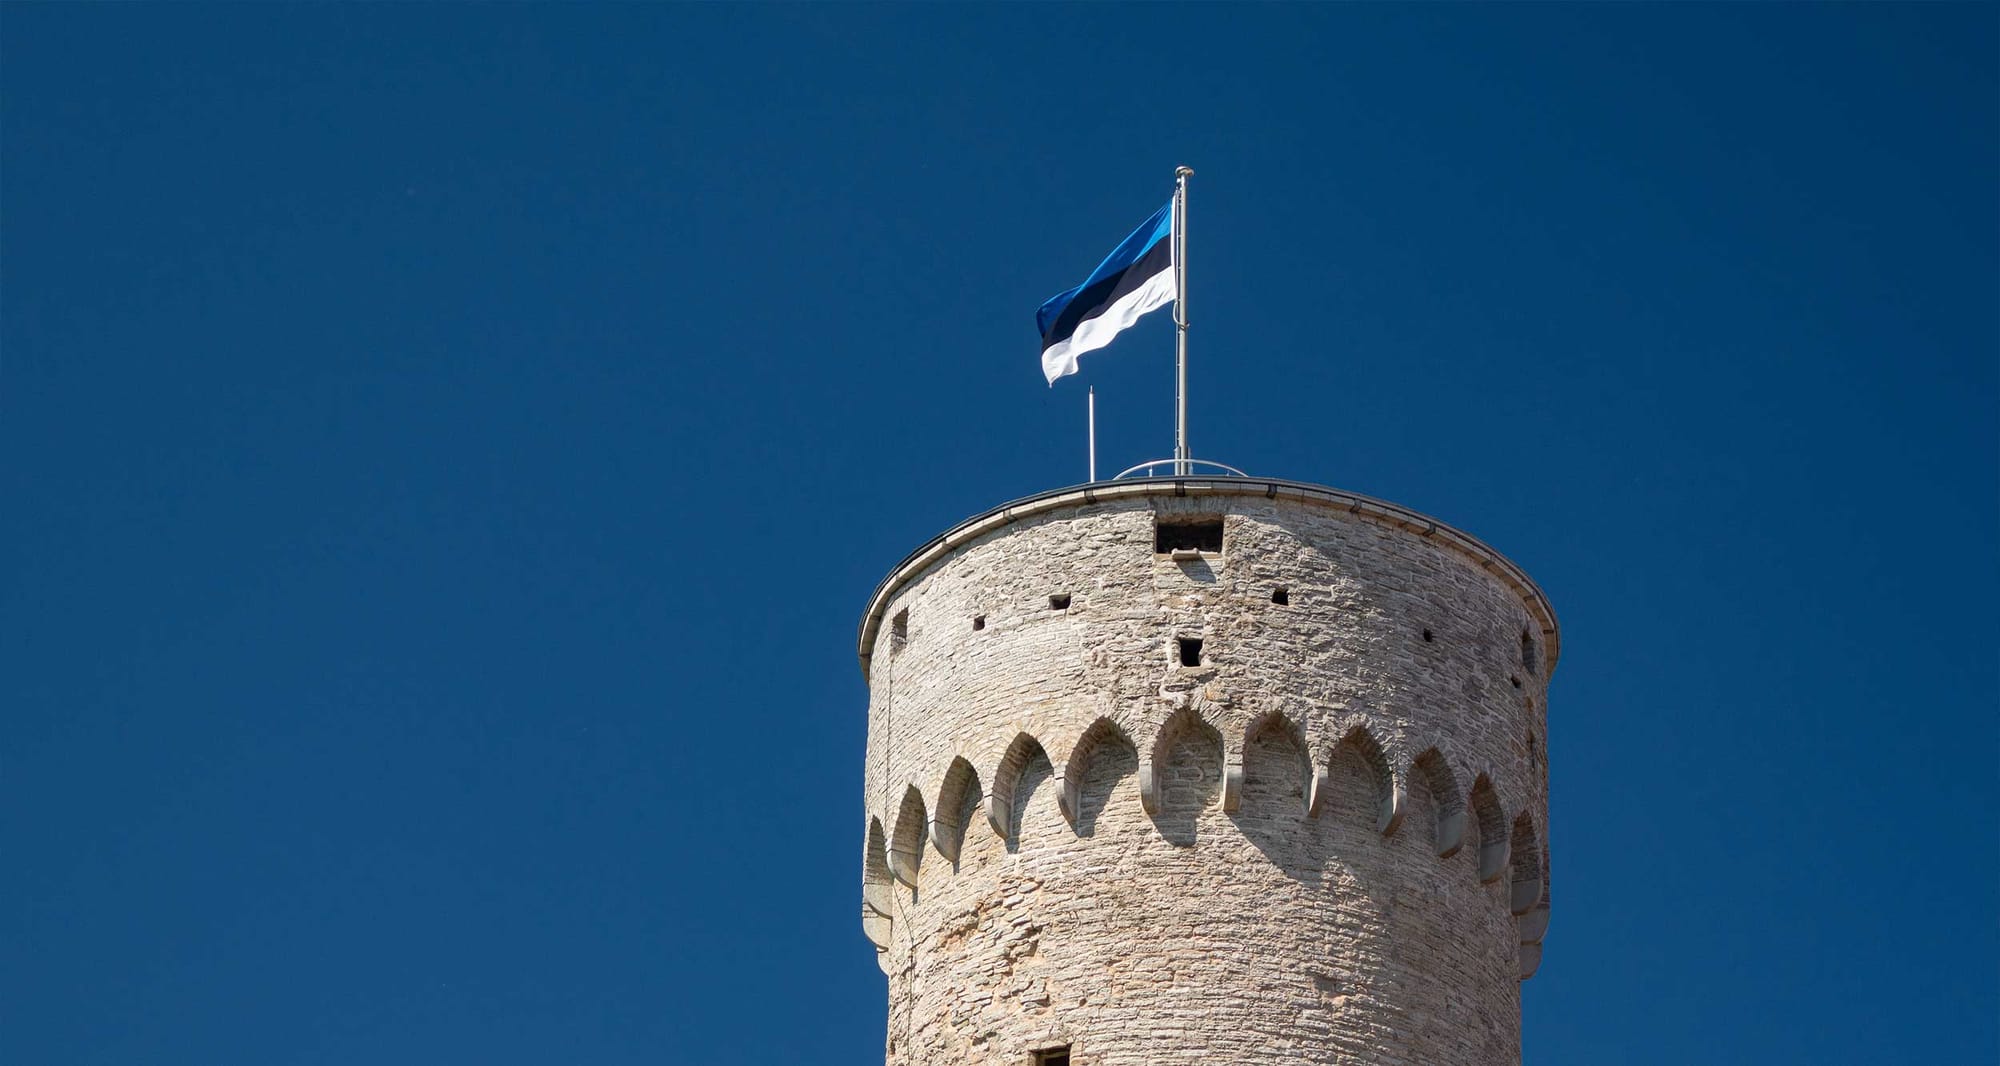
[1105,278]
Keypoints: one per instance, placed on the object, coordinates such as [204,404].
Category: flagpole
[1093,433]
[1181,456]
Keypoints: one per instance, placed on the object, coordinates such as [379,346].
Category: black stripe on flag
[1092,301]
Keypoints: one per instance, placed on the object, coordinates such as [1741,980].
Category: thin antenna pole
[1181,456]
[1093,433]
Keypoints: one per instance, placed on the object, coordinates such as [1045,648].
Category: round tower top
[1364,508]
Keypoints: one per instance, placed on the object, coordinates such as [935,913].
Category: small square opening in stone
[1281,596]
[1187,534]
[1055,1056]
[1190,650]
[978,622]
[1059,602]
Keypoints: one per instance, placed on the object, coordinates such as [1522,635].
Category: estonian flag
[1136,278]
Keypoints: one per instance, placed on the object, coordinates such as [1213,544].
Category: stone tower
[1217,770]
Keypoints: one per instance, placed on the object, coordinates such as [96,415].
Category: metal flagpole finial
[1184,172]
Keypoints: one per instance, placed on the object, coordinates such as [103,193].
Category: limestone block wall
[1320,839]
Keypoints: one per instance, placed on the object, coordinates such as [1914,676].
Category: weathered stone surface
[1340,817]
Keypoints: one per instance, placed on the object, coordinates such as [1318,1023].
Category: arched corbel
[996,815]
[1319,778]
[1494,857]
[1451,834]
[1390,818]
[1525,889]
[1534,925]
[1232,781]
[944,842]
[1149,785]
[879,899]
[907,836]
[1524,895]
[876,927]
[1494,854]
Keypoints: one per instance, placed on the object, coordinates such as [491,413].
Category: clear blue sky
[448,449]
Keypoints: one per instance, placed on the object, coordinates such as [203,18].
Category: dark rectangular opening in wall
[978,622]
[1198,534]
[1280,596]
[1190,649]
[1055,1056]
[1059,602]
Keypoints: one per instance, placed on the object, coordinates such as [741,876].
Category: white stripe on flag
[1059,359]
